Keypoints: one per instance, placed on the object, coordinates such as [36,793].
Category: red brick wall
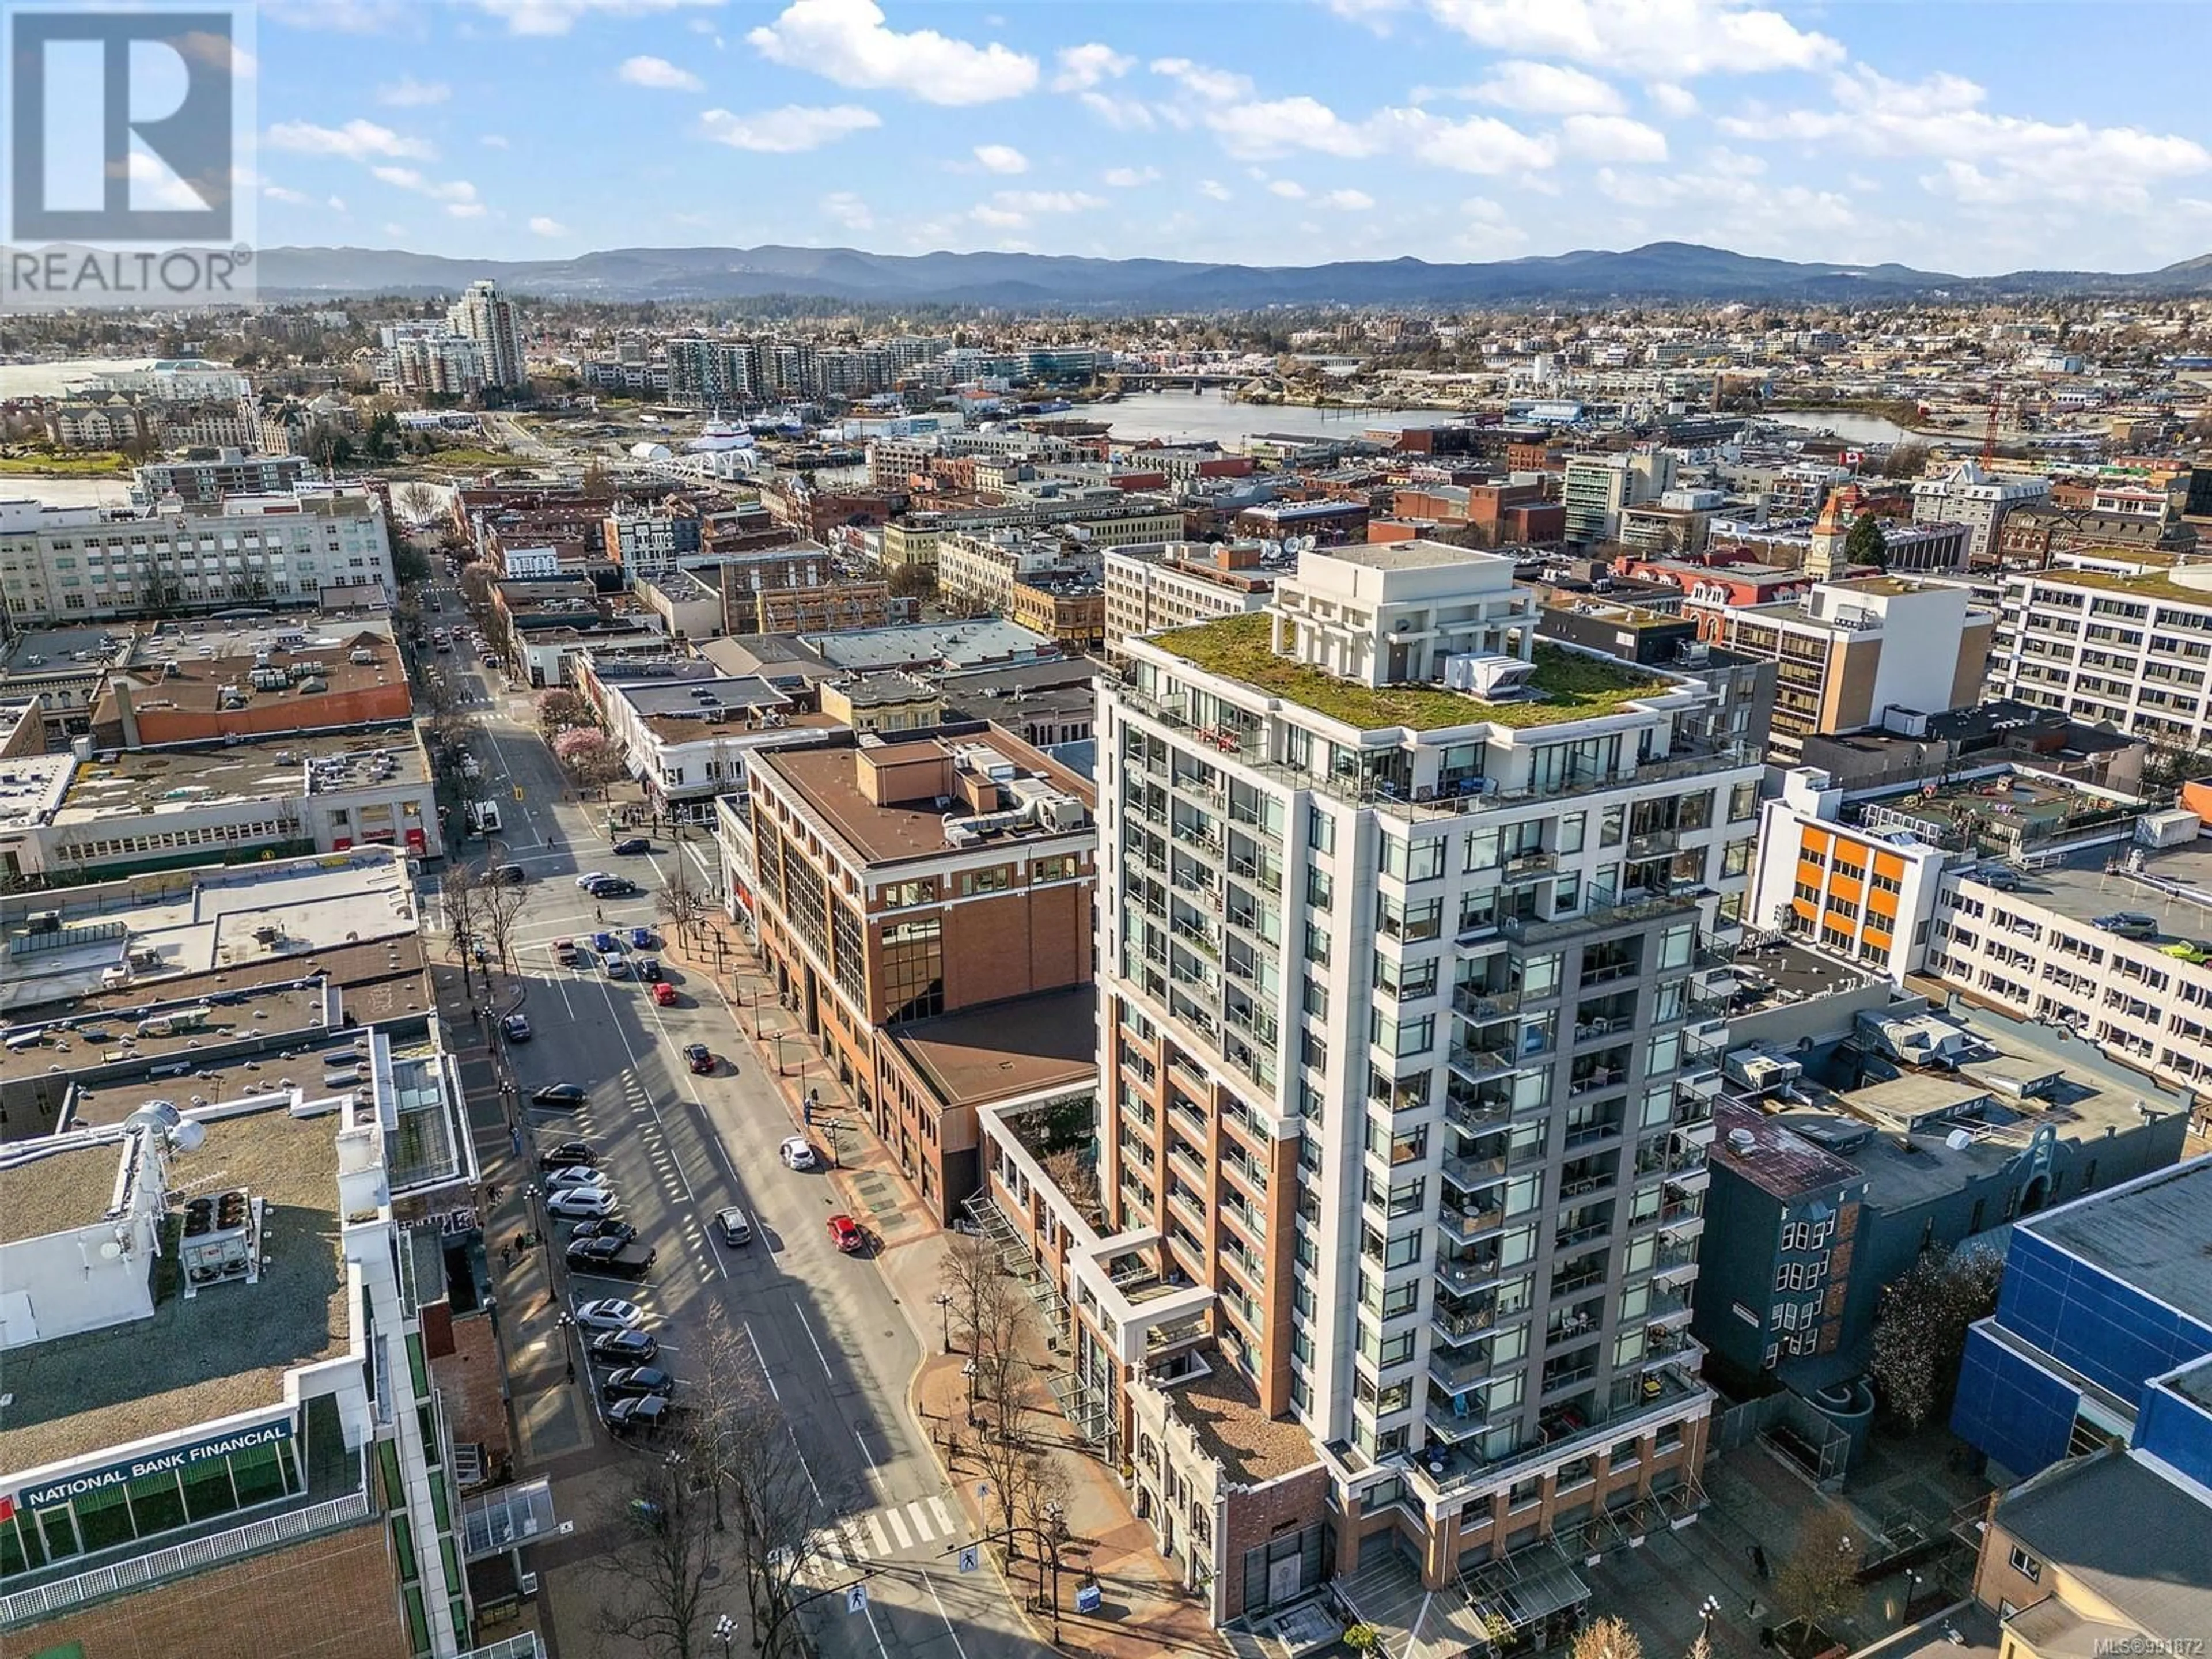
[331,1598]
[1251,1518]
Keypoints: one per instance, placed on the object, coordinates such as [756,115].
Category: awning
[504,1519]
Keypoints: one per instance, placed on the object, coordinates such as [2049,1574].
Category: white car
[576,1178]
[797,1153]
[610,1314]
[591,876]
[580,1204]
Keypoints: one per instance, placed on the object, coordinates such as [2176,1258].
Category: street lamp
[1055,1517]
[566,1322]
[944,1300]
[1707,1612]
[726,1631]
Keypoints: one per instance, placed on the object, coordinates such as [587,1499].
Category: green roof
[2151,585]
[1570,686]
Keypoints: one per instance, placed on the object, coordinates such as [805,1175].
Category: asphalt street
[831,1341]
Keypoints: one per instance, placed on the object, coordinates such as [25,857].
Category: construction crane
[1990,432]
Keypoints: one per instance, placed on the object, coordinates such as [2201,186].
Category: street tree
[1865,543]
[1820,1578]
[1041,1488]
[661,1573]
[477,584]
[591,758]
[418,504]
[1606,1639]
[1905,460]
[562,709]
[459,893]
[969,1265]
[499,907]
[1920,1327]
[681,901]
[1000,1379]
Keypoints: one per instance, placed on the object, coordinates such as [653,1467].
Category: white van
[483,817]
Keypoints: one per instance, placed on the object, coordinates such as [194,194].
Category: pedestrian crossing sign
[970,1559]
[856,1598]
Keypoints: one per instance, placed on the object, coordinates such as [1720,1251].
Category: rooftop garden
[1566,685]
[2152,586]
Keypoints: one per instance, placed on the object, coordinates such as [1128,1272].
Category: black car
[607,1227]
[700,1058]
[635,1382]
[631,846]
[642,1411]
[620,1257]
[560,1094]
[569,1154]
[625,1347]
[614,887]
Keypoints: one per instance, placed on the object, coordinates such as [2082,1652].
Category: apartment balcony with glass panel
[1454,1417]
[1461,1320]
[1470,1219]
[1687,1171]
[1466,1272]
[1683,1218]
[1458,1370]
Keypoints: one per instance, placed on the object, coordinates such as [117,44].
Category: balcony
[1480,1006]
[1468,1224]
[1454,1418]
[1666,1309]
[1475,1271]
[1475,1115]
[1475,1064]
[1606,971]
[1583,1232]
[1651,843]
[1472,1173]
[1683,1219]
[1565,1284]
[1196,938]
[1690,1177]
[1567,1376]
[1674,1264]
[1456,1372]
[1590,1133]
[1528,866]
[1465,1324]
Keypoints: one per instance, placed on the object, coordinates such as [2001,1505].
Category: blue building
[2103,1332]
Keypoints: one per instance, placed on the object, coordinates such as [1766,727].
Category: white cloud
[1085,66]
[1001,158]
[1672,39]
[458,193]
[408,93]
[465,209]
[559,16]
[1123,114]
[541,226]
[847,41]
[1047,201]
[1348,201]
[1737,205]
[153,184]
[356,140]
[393,227]
[787,131]
[1984,157]
[848,210]
[1613,138]
[1002,218]
[1547,89]
[338,204]
[1373,14]
[494,141]
[1215,191]
[341,17]
[1288,188]
[279,193]
[659,73]
[1130,178]
[1201,82]
[1285,126]
[1670,99]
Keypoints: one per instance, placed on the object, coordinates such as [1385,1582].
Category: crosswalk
[926,1526]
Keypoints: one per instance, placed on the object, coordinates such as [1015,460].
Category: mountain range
[1656,271]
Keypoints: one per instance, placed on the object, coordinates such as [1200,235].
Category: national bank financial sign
[173,1461]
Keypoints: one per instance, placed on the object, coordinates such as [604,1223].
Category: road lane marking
[943,1514]
[920,1521]
[898,1528]
[818,1354]
[803,1467]
[932,1583]
[873,1527]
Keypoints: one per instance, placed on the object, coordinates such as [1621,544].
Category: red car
[663,994]
[845,1233]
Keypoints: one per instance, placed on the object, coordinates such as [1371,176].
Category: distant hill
[1659,271]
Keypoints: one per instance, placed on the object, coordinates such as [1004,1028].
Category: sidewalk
[1145,1610]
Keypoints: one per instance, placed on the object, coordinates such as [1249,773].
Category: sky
[1970,139]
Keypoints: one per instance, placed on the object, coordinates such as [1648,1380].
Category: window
[1056,869]
[914,969]
[1321,830]
[996,880]
[2026,1565]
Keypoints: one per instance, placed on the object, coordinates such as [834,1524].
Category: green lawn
[95,463]
[1571,686]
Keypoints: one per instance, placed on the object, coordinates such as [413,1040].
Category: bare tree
[1000,1377]
[1077,1180]
[499,905]
[1606,1639]
[1041,1489]
[680,901]
[1920,1327]
[459,893]
[477,584]
[417,502]
[969,1267]
[662,1571]
[1821,1578]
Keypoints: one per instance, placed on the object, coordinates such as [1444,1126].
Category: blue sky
[1966,137]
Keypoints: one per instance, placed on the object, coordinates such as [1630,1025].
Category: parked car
[2130,924]
[845,1233]
[732,1223]
[631,846]
[515,1028]
[625,1258]
[589,876]
[575,1176]
[634,1382]
[567,1152]
[797,1153]
[625,1347]
[614,887]
[606,944]
[648,968]
[664,994]
[645,1412]
[564,952]
[620,1231]
[617,967]
[699,1057]
[610,1313]
[580,1204]
[560,1094]
[643,939]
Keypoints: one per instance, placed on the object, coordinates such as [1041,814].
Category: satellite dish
[109,1249]
[189,1135]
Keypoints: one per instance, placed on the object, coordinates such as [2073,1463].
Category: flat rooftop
[959,645]
[1224,1415]
[2133,1538]
[1396,556]
[2174,888]
[49,653]
[1568,685]
[278,771]
[828,780]
[223,1351]
[32,789]
[1005,1049]
[2154,1233]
